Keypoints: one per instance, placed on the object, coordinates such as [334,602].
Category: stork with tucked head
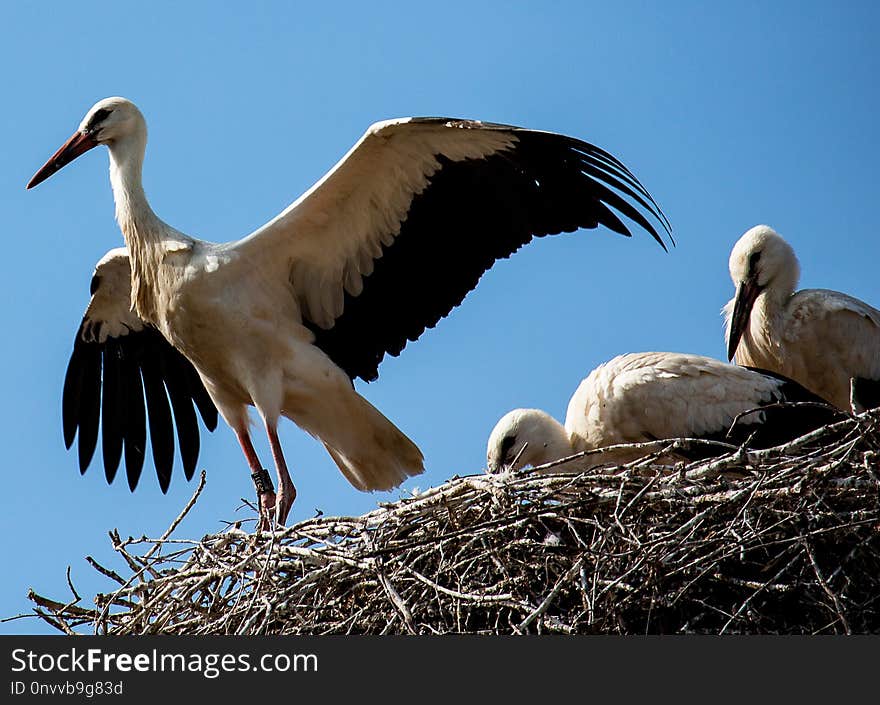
[826,340]
[382,247]
[649,396]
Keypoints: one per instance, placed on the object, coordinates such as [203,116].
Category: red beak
[79,143]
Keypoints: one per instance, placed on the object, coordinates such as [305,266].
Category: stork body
[826,340]
[382,247]
[648,396]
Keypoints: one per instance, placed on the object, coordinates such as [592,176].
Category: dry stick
[189,505]
[786,448]
[751,584]
[256,591]
[396,600]
[548,600]
[848,556]
[828,591]
[58,606]
[180,517]
[646,446]
[135,563]
[504,597]
[759,590]
[59,623]
[112,574]
[76,596]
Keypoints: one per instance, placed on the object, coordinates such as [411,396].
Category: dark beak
[746,293]
[78,144]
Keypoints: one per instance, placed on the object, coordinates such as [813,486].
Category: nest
[779,541]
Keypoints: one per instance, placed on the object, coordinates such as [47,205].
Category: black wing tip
[133,475]
[613,167]
[788,388]
[616,167]
[612,180]
[164,479]
[89,408]
[660,241]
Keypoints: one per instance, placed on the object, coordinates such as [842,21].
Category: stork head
[760,261]
[109,121]
[526,437]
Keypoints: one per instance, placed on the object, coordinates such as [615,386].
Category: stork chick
[827,341]
[648,396]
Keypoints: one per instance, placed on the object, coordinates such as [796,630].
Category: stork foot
[266,498]
[284,501]
[267,502]
[286,490]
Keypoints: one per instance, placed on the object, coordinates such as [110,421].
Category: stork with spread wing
[386,244]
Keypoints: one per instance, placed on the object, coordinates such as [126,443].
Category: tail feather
[371,452]
[376,474]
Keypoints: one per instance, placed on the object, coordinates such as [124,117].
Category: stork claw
[267,502]
[274,508]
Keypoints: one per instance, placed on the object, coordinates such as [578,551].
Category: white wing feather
[109,312]
[327,240]
[641,396]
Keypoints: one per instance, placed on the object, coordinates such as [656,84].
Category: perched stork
[117,362]
[379,249]
[649,396]
[827,341]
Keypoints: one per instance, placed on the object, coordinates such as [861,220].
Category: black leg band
[262,481]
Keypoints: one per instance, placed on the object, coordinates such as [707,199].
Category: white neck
[133,212]
[146,236]
[768,318]
[759,345]
[547,438]
[773,301]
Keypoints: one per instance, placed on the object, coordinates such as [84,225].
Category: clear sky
[731,115]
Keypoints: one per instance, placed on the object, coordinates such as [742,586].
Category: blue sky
[731,115]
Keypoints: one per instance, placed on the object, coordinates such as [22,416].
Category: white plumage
[378,250]
[647,396]
[109,312]
[826,340]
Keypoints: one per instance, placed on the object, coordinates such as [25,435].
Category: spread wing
[392,238]
[119,362]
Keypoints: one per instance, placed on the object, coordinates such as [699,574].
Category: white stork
[381,248]
[826,340]
[117,362]
[648,396]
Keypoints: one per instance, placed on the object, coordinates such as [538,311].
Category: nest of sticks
[780,541]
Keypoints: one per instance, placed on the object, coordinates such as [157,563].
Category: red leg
[267,500]
[286,490]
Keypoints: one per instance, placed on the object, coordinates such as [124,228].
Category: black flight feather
[472,213]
